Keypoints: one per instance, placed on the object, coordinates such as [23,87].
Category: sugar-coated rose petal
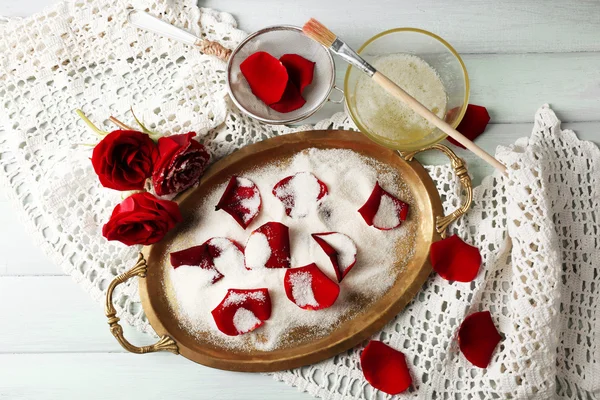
[182,161]
[382,210]
[226,251]
[340,249]
[300,70]
[266,76]
[473,123]
[309,288]
[300,193]
[241,199]
[211,255]
[455,260]
[196,256]
[478,338]
[268,247]
[242,311]
[290,101]
[385,368]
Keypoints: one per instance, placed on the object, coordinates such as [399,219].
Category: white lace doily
[538,229]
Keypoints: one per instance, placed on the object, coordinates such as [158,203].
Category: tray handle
[442,222]
[164,344]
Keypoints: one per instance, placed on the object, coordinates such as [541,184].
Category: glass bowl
[436,52]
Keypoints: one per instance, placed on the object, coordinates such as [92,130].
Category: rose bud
[124,159]
[141,219]
[181,163]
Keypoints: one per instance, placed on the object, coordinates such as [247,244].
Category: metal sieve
[277,41]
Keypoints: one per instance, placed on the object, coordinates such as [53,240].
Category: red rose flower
[141,219]
[181,162]
[124,159]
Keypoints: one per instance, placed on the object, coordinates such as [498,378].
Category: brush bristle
[319,32]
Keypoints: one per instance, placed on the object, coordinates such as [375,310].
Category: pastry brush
[319,32]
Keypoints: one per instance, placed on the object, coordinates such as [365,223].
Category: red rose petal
[473,123]
[268,247]
[478,338]
[385,368]
[241,199]
[340,249]
[300,70]
[299,193]
[266,76]
[290,101]
[309,288]
[196,256]
[242,311]
[382,210]
[141,218]
[455,260]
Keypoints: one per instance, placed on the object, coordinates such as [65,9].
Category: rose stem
[153,135]
[120,124]
[90,124]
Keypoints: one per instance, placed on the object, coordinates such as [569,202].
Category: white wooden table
[54,341]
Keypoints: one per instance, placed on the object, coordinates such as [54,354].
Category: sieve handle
[143,20]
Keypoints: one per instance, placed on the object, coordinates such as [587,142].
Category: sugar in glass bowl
[420,62]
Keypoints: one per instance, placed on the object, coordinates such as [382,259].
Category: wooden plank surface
[514,86]
[509,26]
[53,314]
[54,341]
[90,376]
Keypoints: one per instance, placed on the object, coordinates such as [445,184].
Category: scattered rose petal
[473,123]
[340,249]
[383,211]
[300,70]
[385,368]
[478,338]
[268,247]
[242,311]
[455,260]
[300,193]
[196,256]
[266,76]
[241,199]
[309,288]
[290,101]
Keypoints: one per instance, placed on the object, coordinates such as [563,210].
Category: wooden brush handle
[424,112]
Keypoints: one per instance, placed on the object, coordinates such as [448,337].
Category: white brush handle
[424,112]
[143,20]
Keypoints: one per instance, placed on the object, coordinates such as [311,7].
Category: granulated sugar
[391,118]
[302,290]
[257,251]
[387,215]
[251,204]
[381,255]
[244,320]
[345,248]
[230,258]
[239,298]
[300,194]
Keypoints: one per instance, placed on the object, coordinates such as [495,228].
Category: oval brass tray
[431,227]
